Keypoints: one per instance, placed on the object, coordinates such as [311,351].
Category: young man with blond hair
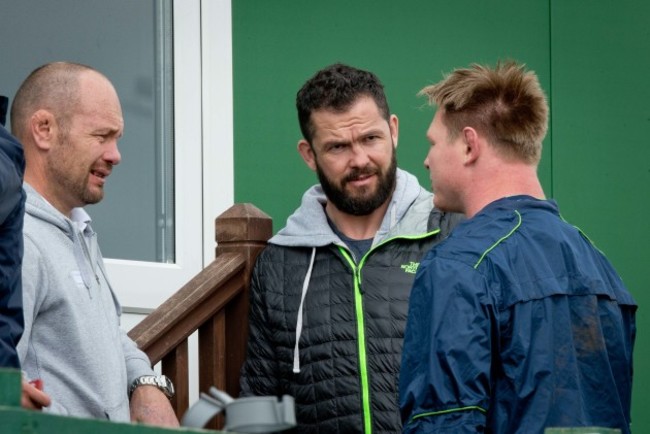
[516,321]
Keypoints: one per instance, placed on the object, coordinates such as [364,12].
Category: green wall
[592,59]
[279,44]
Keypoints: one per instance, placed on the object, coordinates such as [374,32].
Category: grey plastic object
[255,414]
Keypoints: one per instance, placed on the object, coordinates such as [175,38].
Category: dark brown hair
[336,88]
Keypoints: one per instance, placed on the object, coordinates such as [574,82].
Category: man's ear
[393,124]
[472,145]
[43,129]
[307,154]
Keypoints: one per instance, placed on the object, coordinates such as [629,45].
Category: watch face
[167,385]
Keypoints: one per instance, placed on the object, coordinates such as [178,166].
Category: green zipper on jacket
[358,307]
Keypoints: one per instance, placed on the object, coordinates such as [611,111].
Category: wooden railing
[214,302]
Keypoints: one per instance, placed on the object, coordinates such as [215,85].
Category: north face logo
[411,267]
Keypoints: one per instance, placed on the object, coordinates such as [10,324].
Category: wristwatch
[160,381]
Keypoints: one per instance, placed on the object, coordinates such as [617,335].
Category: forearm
[151,406]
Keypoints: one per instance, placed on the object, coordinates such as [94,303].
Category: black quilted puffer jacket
[348,316]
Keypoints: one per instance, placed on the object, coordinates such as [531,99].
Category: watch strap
[163,383]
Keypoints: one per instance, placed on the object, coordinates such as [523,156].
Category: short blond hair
[505,103]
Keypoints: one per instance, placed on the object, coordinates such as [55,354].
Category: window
[156,222]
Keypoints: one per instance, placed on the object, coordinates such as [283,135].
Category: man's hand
[149,405]
[33,398]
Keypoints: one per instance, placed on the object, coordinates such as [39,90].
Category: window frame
[203,154]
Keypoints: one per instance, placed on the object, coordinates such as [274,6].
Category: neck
[45,189]
[357,227]
[500,182]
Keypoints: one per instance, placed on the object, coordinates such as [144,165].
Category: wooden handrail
[185,311]
[214,302]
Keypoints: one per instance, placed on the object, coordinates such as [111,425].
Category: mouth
[360,178]
[360,181]
[101,174]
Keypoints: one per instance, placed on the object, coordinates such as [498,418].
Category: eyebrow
[373,132]
[369,132]
[335,142]
[108,131]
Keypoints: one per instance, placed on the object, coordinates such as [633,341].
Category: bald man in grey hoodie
[68,118]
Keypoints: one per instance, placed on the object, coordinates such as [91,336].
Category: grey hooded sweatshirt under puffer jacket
[327,328]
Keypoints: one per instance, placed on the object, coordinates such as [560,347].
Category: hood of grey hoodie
[39,208]
[308,227]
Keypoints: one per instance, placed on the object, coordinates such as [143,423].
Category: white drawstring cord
[305,285]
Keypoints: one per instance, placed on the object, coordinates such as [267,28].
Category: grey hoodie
[72,338]
[308,226]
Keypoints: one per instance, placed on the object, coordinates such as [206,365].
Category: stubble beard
[66,172]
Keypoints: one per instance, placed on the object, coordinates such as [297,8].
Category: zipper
[359,312]
[361,338]
[87,254]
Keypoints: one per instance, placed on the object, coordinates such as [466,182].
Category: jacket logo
[411,267]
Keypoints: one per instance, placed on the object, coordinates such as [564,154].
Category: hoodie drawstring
[305,285]
[82,256]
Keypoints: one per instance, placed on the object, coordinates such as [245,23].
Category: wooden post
[244,229]
[212,346]
[174,365]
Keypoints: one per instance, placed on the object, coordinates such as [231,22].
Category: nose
[359,156]
[112,154]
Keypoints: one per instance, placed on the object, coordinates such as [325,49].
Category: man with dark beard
[329,294]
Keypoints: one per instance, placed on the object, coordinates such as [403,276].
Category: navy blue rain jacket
[12,207]
[517,323]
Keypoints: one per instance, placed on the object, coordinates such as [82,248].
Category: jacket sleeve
[12,200]
[11,296]
[446,362]
[137,362]
[259,374]
[10,186]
